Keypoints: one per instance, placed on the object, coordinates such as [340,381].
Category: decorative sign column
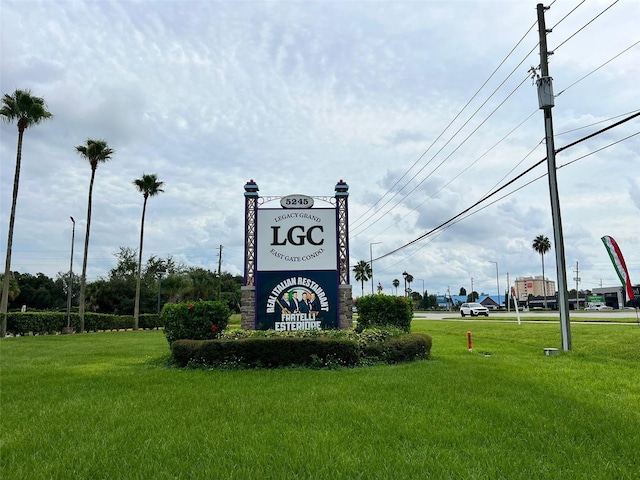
[296,257]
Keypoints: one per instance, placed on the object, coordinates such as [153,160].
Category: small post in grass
[469,343]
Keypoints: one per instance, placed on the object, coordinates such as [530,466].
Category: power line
[598,68]
[355,227]
[565,17]
[596,123]
[586,25]
[449,141]
[486,197]
[443,132]
[468,167]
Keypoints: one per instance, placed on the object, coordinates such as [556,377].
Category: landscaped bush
[100,321]
[23,323]
[40,323]
[195,321]
[383,311]
[150,321]
[267,352]
[405,348]
[330,348]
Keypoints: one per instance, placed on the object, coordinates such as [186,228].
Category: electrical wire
[356,226]
[467,168]
[444,131]
[564,18]
[486,197]
[585,25]
[449,141]
[595,70]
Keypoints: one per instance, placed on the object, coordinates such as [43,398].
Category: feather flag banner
[618,262]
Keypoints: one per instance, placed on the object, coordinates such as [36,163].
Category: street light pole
[371,262]
[497,282]
[70,285]
[160,273]
[404,274]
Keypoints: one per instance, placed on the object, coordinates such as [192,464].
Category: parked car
[473,309]
[598,307]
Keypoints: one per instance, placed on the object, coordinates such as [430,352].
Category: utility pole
[220,273]
[508,294]
[546,102]
[577,279]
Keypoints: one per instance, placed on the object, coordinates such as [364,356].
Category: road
[581,316]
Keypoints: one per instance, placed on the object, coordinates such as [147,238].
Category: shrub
[405,348]
[314,349]
[40,323]
[383,311]
[94,322]
[195,321]
[150,321]
[269,352]
[23,323]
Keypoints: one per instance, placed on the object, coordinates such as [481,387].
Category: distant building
[611,296]
[526,286]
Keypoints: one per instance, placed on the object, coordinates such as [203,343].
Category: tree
[363,272]
[463,291]
[95,152]
[409,278]
[14,288]
[396,283]
[542,245]
[116,294]
[26,110]
[149,186]
[38,292]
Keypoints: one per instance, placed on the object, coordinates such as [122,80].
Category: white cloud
[298,95]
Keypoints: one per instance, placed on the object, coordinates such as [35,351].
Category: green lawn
[106,405]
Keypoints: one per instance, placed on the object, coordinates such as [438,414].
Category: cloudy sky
[422,107]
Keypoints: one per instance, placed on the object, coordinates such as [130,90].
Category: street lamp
[371,262]
[497,283]
[70,285]
[404,274]
[160,273]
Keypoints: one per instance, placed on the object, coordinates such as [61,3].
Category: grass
[107,405]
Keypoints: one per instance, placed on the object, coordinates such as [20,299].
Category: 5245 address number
[296,201]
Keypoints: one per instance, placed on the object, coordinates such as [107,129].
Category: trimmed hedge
[269,352]
[41,323]
[383,311]
[314,351]
[405,348]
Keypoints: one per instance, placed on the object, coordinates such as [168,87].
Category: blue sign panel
[296,300]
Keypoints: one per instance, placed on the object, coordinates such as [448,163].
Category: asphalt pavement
[579,316]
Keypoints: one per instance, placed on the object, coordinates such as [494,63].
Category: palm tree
[14,288]
[26,110]
[95,152]
[363,272]
[149,186]
[409,278]
[541,244]
[396,283]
